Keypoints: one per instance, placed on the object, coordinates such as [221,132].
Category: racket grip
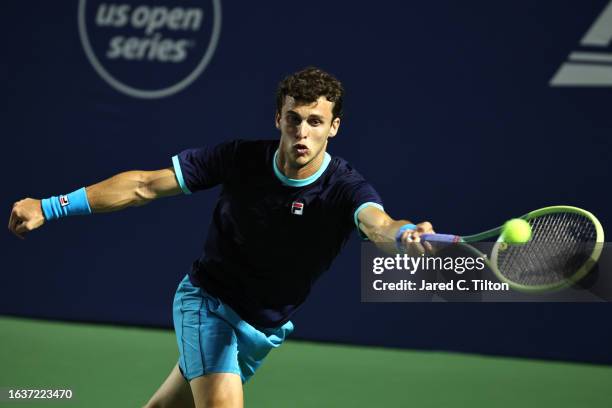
[440,238]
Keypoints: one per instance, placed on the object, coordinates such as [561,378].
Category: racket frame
[501,245]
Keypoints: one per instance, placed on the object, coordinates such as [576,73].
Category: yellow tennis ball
[516,231]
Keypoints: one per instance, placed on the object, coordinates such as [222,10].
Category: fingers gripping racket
[566,243]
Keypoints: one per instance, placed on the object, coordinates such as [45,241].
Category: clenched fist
[26,216]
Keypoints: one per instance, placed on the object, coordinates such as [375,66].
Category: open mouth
[300,149]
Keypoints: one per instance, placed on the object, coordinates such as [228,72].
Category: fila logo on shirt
[63,199]
[592,68]
[297,208]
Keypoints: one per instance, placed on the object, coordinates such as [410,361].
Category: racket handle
[440,238]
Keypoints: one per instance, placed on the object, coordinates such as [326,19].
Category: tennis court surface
[109,366]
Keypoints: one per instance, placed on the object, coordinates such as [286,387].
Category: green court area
[121,367]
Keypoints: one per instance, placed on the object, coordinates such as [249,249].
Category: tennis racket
[566,243]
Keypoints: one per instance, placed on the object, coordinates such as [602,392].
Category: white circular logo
[149,50]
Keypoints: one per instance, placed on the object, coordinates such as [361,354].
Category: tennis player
[284,211]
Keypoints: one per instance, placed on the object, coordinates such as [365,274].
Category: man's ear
[334,127]
[277,118]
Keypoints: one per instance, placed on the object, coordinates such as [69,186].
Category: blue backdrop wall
[442,98]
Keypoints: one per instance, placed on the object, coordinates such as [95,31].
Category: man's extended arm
[380,228]
[131,188]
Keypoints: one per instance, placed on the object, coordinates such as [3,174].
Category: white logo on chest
[297,208]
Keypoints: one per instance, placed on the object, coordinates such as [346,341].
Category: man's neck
[300,172]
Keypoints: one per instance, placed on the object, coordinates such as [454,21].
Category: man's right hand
[26,216]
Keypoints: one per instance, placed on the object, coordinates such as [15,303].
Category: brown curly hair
[307,85]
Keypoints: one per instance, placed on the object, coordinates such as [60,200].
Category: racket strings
[561,244]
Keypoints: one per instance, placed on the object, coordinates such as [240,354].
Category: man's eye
[293,120]
[314,122]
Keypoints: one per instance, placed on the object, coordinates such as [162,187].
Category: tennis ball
[516,231]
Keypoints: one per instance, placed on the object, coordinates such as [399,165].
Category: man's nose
[302,129]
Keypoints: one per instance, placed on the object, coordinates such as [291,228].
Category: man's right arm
[132,188]
[128,189]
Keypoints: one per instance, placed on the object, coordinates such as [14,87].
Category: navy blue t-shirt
[270,237]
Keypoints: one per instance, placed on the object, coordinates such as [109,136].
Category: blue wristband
[400,232]
[75,203]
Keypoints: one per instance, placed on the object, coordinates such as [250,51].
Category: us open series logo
[590,66]
[149,49]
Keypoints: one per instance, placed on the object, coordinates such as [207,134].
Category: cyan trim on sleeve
[361,207]
[179,175]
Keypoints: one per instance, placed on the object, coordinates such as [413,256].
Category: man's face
[305,129]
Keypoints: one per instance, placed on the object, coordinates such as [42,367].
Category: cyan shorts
[212,338]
